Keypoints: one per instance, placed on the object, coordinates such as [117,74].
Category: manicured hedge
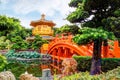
[84,63]
[110,63]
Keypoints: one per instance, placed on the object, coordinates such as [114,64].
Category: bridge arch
[63,47]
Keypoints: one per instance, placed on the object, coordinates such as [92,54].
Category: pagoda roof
[42,21]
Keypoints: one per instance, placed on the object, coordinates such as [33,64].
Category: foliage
[110,75]
[14,32]
[37,42]
[56,31]
[87,35]
[27,57]
[19,43]
[3,62]
[28,32]
[100,9]
[78,15]
[5,43]
[35,70]
[8,24]
[16,35]
[107,63]
[110,63]
[22,66]
[65,29]
[14,67]
[105,14]
[32,69]
[93,14]
[73,29]
[113,24]
[83,63]
[23,33]
[24,54]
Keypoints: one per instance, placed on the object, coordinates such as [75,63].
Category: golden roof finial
[43,17]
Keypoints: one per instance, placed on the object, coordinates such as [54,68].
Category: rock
[69,66]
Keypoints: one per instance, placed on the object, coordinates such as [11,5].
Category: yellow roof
[42,21]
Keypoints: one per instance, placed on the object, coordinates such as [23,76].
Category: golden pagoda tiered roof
[42,21]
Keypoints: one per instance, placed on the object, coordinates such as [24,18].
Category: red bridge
[63,47]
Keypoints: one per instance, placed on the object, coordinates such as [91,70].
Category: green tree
[28,32]
[101,10]
[23,33]
[113,24]
[5,43]
[19,43]
[56,31]
[37,42]
[73,29]
[8,25]
[14,32]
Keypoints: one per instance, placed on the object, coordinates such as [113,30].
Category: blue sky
[30,10]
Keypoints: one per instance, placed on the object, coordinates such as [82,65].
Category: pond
[35,69]
[28,61]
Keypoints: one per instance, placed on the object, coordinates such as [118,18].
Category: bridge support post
[116,49]
[66,53]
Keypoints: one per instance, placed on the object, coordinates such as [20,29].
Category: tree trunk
[96,58]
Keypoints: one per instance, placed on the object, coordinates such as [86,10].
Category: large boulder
[69,66]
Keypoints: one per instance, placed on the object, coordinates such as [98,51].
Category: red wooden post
[58,54]
[116,49]
[105,51]
[53,56]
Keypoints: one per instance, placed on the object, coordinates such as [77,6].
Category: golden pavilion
[42,27]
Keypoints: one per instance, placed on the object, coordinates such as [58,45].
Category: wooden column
[66,54]
[59,55]
[53,55]
[116,49]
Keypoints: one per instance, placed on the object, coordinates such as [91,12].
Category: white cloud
[25,22]
[43,6]
[60,21]
[48,7]
[4,1]
[3,4]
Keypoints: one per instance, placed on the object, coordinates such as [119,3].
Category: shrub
[110,75]
[16,68]
[35,70]
[84,63]
[3,62]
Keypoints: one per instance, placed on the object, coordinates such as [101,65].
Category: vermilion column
[116,49]
[105,51]
[66,53]
[53,55]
